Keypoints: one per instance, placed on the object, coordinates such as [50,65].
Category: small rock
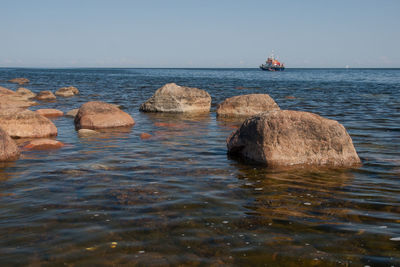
[19,80]
[97,115]
[72,112]
[177,99]
[43,144]
[8,149]
[67,91]
[87,132]
[50,112]
[45,95]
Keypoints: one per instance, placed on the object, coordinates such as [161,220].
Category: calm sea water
[177,198]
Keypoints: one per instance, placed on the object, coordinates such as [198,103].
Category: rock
[25,92]
[87,132]
[8,149]
[290,97]
[286,137]
[72,112]
[145,136]
[5,91]
[177,99]
[19,80]
[21,123]
[246,105]
[67,91]
[11,99]
[96,115]
[43,144]
[50,112]
[11,102]
[45,95]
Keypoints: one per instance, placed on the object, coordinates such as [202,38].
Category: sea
[178,198]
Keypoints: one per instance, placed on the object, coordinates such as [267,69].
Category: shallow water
[177,198]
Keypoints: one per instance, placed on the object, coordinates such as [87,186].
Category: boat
[272,64]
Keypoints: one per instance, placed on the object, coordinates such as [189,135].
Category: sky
[199,34]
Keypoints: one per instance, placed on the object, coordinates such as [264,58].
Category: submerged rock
[19,80]
[67,91]
[177,99]
[43,144]
[144,136]
[50,112]
[97,115]
[8,149]
[45,95]
[246,105]
[21,123]
[286,137]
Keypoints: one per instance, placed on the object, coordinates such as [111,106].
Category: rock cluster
[270,136]
[177,99]
[97,115]
[286,138]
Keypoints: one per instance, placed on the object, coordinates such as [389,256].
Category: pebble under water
[179,199]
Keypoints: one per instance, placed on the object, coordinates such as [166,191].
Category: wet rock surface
[286,138]
[176,99]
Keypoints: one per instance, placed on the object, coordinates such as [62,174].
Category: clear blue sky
[202,33]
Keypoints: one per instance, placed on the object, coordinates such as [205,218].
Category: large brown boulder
[67,91]
[246,105]
[177,99]
[19,80]
[21,123]
[8,149]
[286,137]
[45,95]
[97,115]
